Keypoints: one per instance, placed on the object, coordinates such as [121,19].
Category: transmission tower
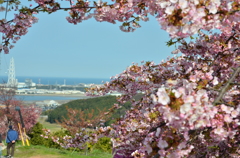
[12,81]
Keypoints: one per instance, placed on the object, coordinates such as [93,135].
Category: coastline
[59,95]
[81,96]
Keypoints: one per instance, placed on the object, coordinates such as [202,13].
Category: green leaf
[1,1]
[105,4]
[95,3]
[125,24]
[170,43]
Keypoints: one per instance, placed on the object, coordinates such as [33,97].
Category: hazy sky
[55,48]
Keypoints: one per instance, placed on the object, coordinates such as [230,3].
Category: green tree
[35,135]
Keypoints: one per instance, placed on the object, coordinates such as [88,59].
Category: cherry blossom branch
[8,1]
[227,104]
[233,83]
[231,37]
[76,8]
[226,86]
[155,128]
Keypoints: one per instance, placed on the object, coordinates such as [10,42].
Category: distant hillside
[105,102]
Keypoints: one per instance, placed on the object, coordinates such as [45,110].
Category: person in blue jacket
[12,136]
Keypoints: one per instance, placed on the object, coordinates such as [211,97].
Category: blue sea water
[56,80]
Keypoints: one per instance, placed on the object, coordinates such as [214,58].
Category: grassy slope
[98,103]
[43,152]
[52,126]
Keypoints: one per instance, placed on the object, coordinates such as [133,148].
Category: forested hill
[101,103]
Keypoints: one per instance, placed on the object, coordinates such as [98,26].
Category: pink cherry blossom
[163,97]
[227,118]
[162,144]
[189,103]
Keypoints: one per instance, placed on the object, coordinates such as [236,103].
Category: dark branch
[156,156]
[230,38]
[227,104]
[155,128]
[225,87]
[233,83]
[76,8]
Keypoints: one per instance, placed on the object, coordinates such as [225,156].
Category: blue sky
[55,48]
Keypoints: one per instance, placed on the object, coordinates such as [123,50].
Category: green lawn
[44,152]
[52,126]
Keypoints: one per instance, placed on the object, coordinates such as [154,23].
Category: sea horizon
[57,80]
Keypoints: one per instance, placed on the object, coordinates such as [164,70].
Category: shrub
[35,135]
[104,144]
[60,134]
[37,139]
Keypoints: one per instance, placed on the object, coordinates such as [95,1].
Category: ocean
[57,80]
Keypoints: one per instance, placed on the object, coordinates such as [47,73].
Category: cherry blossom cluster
[8,115]
[14,29]
[82,131]
[79,140]
[177,115]
[190,104]
[183,111]
[180,18]
[47,132]
[175,16]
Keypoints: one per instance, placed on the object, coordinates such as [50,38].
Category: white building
[117,94]
[47,103]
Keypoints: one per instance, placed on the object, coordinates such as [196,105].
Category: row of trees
[92,105]
[191,105]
